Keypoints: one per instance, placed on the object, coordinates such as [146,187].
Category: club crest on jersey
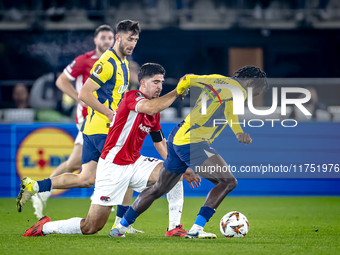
[144,128]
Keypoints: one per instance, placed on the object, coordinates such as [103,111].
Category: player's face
[153,86]
[104,40]
[127,43]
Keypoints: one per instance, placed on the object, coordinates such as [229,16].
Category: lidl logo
[42,151]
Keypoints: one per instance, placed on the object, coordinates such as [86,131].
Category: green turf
[278,225]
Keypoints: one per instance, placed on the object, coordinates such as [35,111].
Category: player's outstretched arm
[154,106]
[86,95]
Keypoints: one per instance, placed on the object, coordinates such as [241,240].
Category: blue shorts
[92,147]
[180,157]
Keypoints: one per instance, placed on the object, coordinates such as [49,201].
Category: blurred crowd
[177,10]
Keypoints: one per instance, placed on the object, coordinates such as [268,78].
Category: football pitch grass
[278,225]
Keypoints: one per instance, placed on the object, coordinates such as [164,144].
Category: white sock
[196,228]
[121,229]
[36,187]
[117,221]
[44,196]
[70,226]
[175,199]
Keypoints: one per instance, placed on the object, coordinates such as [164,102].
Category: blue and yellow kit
[112,75]
[189,142]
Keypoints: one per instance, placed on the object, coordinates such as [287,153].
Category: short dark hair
[149,70]
[102,28]
[128,25]
[254,73]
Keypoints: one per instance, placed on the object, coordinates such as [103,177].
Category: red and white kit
[79,71]
[121,166]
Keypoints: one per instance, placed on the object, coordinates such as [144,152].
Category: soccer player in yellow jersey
[189,146]
[102,92]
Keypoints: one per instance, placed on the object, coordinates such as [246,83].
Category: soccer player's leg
[72,164]
[166,181]
[121,210]
[94,221]
[224,182]
[92,148]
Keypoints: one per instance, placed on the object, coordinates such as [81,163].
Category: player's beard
[122,50]
[103,49]
[156,95]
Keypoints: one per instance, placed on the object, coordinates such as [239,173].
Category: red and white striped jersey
[79,71]
[128,130]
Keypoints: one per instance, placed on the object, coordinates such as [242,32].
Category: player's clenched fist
[244,138]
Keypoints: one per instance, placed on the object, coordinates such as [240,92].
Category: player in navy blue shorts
[189,145]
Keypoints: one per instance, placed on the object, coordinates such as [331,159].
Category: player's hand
[185,93]
[110,115]
[192,178]
[82,103]
[244,138]
[184,83]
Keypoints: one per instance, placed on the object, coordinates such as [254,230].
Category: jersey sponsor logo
[98,69]
[122,88]
[144,128]
[41,151]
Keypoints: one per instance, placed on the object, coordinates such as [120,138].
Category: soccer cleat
[115,233]
[36,230]
[26,192]
[178,231]
[200,235]
[130,229]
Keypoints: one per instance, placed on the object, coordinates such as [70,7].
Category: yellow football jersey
[198,127]
[112,75]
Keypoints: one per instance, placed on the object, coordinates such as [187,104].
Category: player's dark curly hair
[128,25]
[254,73]
[149,70]
[102,28]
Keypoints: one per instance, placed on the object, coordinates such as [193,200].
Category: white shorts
[113,180]
[79,138]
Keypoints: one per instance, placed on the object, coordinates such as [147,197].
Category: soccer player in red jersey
[121,166]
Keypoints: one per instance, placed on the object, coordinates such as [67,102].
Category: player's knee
[87,182]
[229,183]
[90,229]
